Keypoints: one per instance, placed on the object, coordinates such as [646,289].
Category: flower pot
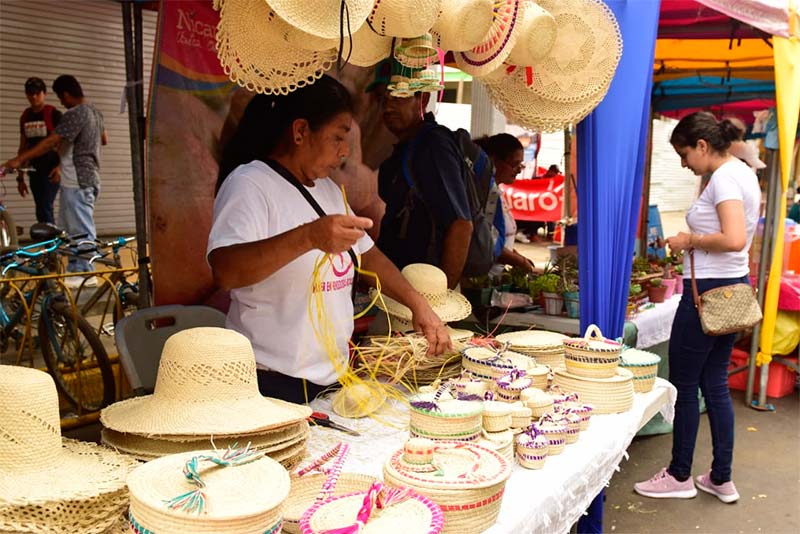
[669,283]
[678,284]
[572,303]
[656,294]
[553,303]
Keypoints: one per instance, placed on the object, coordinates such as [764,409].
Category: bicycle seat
[45,231]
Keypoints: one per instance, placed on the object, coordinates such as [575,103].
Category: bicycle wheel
[76,358]
[8,230]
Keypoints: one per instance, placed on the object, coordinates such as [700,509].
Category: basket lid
[593,340]
[455,465]
[636,358]
[428,404]
[535,397]
[532,339]
[497,408]
[622,375]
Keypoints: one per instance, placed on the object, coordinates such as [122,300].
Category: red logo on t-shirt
[341,264]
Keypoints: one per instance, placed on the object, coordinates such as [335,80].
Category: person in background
[794,208]
[552,171]
[721,223]
[36,123]
[506,153]
[266,239]
[431,222]
[79,136]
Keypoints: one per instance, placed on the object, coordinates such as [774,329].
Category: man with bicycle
[78,136]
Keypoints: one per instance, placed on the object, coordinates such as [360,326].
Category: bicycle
[71,349]
[8,229]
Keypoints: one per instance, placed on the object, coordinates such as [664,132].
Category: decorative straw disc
[322,17]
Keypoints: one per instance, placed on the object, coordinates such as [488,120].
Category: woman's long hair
[267,118]
[703,125]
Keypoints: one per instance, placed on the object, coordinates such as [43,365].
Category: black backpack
[477,172]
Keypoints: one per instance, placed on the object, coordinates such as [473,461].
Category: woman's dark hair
[500,146]
[703,125]
[267,118]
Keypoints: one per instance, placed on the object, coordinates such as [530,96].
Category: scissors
[324,419]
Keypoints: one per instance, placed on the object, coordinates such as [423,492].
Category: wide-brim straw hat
[431,283]
[48,483]
[206,385]
[238,498]
[605,395]
[585,55]
[496,45]
[532,340]
[403,18]
[253,49]
[462,24]
[537,35]
[413,514]
[323,18]
[366,48]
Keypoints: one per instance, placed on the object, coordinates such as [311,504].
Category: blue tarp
[700,91]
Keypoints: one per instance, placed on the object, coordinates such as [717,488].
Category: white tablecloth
[543,501]
[655,324]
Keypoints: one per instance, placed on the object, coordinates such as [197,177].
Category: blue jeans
[696,359]
[76,216]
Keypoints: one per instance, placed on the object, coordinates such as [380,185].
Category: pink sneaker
[725,492]
[665,486]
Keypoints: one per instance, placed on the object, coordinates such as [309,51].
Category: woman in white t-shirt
[507,155]
[267,236]
[721,225]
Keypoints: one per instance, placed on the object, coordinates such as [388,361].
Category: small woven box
[538,401]
[584,410]
[521,416]
[532,448]
[496,416]
[643,365]
[555,431]
[509,385]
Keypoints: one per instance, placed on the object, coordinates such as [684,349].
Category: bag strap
[695,294]
[292,179]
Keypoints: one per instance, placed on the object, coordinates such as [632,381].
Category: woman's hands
[426,321]
[337,233]
[680,242]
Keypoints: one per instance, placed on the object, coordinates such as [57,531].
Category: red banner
[540,199]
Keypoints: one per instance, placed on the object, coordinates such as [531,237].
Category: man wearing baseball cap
[36,123]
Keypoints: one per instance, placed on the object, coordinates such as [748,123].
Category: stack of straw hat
[49,483]
[559,86]
[206,390]
[545,347]
[237,491]
[379,509]
[466,480]
[317,482]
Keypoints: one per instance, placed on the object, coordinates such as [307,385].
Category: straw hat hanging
[253,48]
[403,18]
[368,48]
[462,24]
[584,58]
[537,35]
[47,483]
[496,45]
[323,18]
[206,385]
[431,283]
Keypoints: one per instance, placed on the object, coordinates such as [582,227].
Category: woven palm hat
[367,48]
[462,24]
[496,45]
[253,46]
[228,490]
[538,34]
[585,55]
[431,283]
[416,52]
[47,483]
[206,385]
[323,18]
[403,18]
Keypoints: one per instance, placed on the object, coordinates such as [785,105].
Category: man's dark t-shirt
[413,219]
[34,128]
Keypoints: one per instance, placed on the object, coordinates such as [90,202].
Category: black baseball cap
[35,85]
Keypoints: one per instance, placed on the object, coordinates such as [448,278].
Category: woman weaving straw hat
[284,242]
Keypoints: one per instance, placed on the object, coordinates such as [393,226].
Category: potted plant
[678,279]
[634,290]
[569,290]
[668,282]
[549,286]
[656,290]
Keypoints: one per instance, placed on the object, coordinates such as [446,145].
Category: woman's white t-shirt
[733,180]
[256,203]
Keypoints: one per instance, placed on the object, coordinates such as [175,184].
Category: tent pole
[134,80]
[763,266]
[644,206]
[566,205]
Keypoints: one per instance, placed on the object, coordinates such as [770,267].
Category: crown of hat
[206,364]
[429,281]
[30,431]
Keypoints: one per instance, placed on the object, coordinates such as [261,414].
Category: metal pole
[137,150]
[765,255]
[644,215]
[566,206]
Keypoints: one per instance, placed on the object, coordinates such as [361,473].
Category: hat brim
[454,308]
[81,471]
[322,17]
[153,416]
[496,47]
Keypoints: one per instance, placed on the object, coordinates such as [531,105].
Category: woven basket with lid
[592,355]
[447,419]
[532,448]
[555,431]
[538,401]
[490,364]
[643,365]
